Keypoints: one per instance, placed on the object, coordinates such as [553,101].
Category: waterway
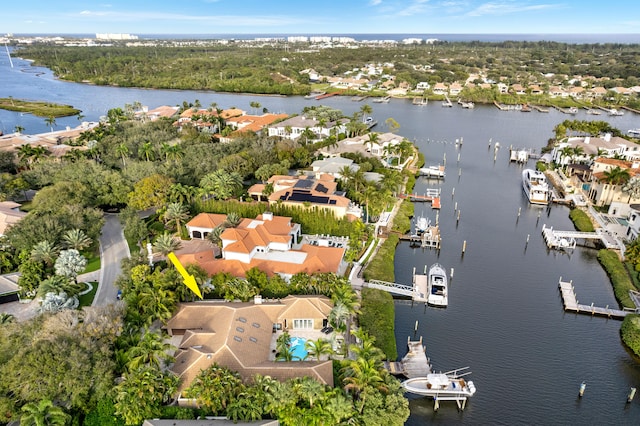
[505,318]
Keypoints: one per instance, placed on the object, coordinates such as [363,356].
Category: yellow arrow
[189,280]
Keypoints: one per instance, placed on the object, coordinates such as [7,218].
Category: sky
[320,17]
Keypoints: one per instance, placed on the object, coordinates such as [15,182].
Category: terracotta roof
[207,220]
[9,215]
[254,123]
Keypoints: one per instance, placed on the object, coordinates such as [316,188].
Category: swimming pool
[298,349]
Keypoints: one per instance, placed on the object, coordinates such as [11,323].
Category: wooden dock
[327,95]
[416,363]
[571,304]
[433,198]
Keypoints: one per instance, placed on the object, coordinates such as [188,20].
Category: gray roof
[9,283]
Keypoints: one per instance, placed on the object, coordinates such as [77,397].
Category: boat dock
[327,95]
[415,363]
[447,102]
[571,304]
[420,101]
[428,239]
[572,110]
[567,239]
[417,290]
[431,196]
[539,108]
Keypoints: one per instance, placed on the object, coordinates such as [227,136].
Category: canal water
[505,319]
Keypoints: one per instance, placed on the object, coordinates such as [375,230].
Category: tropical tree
[150,350]
[43,413]
[176,213]
[123,151]
[76,239]
[146,151]
[317,348]
[222,184]
[18,129]
[70,263]
[365,110]
[361,374]
[142,392]
[215,388]
[632,187]
[45,251]
[616,176]
[232,220]
[214,235]
[166,243]
[50,121]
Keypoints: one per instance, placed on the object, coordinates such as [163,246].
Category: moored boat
[441,386]
[535,186]
[437,286]
[634,132]
[432,171]
[422,224]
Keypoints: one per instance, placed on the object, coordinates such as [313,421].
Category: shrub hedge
[581,220]
[377,319]
[619,277]
[630,333]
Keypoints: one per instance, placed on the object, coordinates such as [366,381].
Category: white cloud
[416,7]
[240,20]
[508,7]
[374,2]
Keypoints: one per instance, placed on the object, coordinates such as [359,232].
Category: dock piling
[583,386]
[453,191]
[464,246]
[632,394]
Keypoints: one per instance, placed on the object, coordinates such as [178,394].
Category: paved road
[113,248]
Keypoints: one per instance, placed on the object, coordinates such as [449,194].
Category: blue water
[298,348]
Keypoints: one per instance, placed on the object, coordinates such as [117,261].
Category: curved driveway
[113,248]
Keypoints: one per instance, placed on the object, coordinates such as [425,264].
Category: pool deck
[305,334]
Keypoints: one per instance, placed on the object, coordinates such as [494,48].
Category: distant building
[112,36]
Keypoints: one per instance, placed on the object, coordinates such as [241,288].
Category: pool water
[298,348]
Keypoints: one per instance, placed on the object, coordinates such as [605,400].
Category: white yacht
[535,186]
[448,386]
[437,286]
[422,224]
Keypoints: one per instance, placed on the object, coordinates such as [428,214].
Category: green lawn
[93,264]
[87,299]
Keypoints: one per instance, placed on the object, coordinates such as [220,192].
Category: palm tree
[214,235]
[617,176]
[146,150]
[359,375]
[45,251]
[317,348]
[222,183]
[156,303]
[44,413]
[123,151]
[50,121]
[233,220]
[179,193]
[165,244]
[18,129]
[151,350]
[338,316]
[177,213]
[76,239]
[365,110]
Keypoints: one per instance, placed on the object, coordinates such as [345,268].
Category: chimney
[267,216]
[587,139]
[607,137]
[257,299]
